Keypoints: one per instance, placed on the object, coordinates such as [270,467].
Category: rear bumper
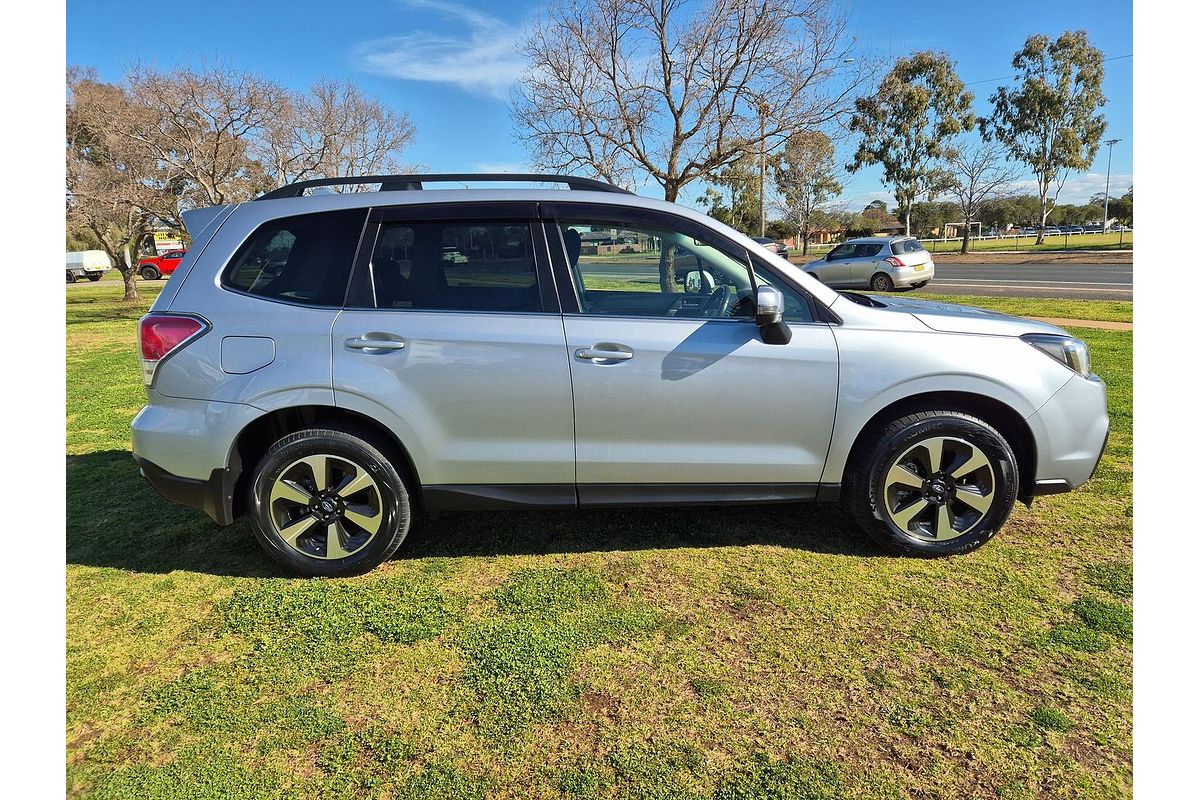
[908,276]
[213,496]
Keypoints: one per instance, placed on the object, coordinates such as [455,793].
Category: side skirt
[488,497]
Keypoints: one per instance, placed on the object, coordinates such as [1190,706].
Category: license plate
[919,267]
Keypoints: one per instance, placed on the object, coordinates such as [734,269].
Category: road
[1070,280]
[1078,281]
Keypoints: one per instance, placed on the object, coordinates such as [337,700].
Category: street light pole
[1108,175]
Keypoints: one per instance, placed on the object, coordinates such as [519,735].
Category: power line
[1009,77]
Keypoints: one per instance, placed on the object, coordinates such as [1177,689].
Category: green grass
[679,653]
[1104,310]
[1091,241]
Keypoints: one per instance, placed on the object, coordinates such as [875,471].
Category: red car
[155,267]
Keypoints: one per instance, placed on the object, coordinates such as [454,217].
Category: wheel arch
[256,438]
[1001,416]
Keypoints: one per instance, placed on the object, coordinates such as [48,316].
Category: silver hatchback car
[331,365]
[878,263]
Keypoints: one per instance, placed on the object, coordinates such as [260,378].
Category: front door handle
[370,343]
[604,352]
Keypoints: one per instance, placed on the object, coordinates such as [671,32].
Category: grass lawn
[1090,241]
[677,653]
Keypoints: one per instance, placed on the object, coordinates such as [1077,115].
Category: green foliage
[1114,577]
[1050,719]
[1050,120]
[764,779]
[1115,619]
[908,123]
[519,661]
[804,176]
[1079,637]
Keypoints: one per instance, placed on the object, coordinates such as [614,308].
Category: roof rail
[397,183]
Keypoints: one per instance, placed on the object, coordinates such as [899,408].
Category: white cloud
[479,57]
[1079,189]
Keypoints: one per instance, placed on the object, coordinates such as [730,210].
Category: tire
[150,274]
[95,276]
[71,278]
[880,499]
[285,497]
[881,283]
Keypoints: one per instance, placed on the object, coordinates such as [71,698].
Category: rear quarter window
[303,259]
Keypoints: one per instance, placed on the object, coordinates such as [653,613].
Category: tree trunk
[805,251]
[907,222]
[666,270]
[1041,235]
[130,276]
[966,237]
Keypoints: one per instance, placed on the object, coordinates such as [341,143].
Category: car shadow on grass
[115,520]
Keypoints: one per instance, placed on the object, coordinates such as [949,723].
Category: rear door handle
[370,343]
[604,353]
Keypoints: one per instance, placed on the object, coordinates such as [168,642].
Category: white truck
[90,264]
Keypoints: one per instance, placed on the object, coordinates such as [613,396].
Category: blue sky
[450,64]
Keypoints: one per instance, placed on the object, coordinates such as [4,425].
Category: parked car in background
[152,268]
[880,263]
[90,264]
[321,369]
[779,248]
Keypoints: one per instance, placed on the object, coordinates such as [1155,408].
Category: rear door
[452,336]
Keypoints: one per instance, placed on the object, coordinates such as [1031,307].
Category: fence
[950,243]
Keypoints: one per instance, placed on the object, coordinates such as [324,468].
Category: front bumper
[1071,431]
[213,496]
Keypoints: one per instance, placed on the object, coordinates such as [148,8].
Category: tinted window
[642,271]
[906,246]
[867,250]
[455,266]
[302,259]
[841,251]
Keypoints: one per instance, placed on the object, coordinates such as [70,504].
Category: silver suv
[331,365]
[879,263]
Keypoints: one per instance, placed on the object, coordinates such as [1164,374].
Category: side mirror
[768,306]
[768,314]
[698,282]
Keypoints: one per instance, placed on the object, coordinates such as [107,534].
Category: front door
[452,337]
[677,398]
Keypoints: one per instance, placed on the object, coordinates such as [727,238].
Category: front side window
[620,269]
[455,266]
[304,259]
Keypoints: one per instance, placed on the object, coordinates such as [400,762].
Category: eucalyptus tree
[908,125]
[1050,118]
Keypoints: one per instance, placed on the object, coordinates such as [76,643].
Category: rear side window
[906,246]
[304,259]
[455,266]
[867,250]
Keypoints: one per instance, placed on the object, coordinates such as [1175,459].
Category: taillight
[895,262]
[161,334]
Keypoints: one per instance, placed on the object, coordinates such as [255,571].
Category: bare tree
[108,179]
[199,126]
[982,172]
[806,181]
[665,89]
[333,131]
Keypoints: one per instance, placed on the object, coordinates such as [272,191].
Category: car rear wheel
[95,276]
[881,283]
[328,503]
[150,274]
[933,483]
[71,277]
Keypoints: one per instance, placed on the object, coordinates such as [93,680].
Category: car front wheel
[932,483]
[150,274]
[328,503]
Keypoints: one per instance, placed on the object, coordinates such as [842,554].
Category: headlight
[1068,351]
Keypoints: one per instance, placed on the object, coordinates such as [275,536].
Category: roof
[874,239]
